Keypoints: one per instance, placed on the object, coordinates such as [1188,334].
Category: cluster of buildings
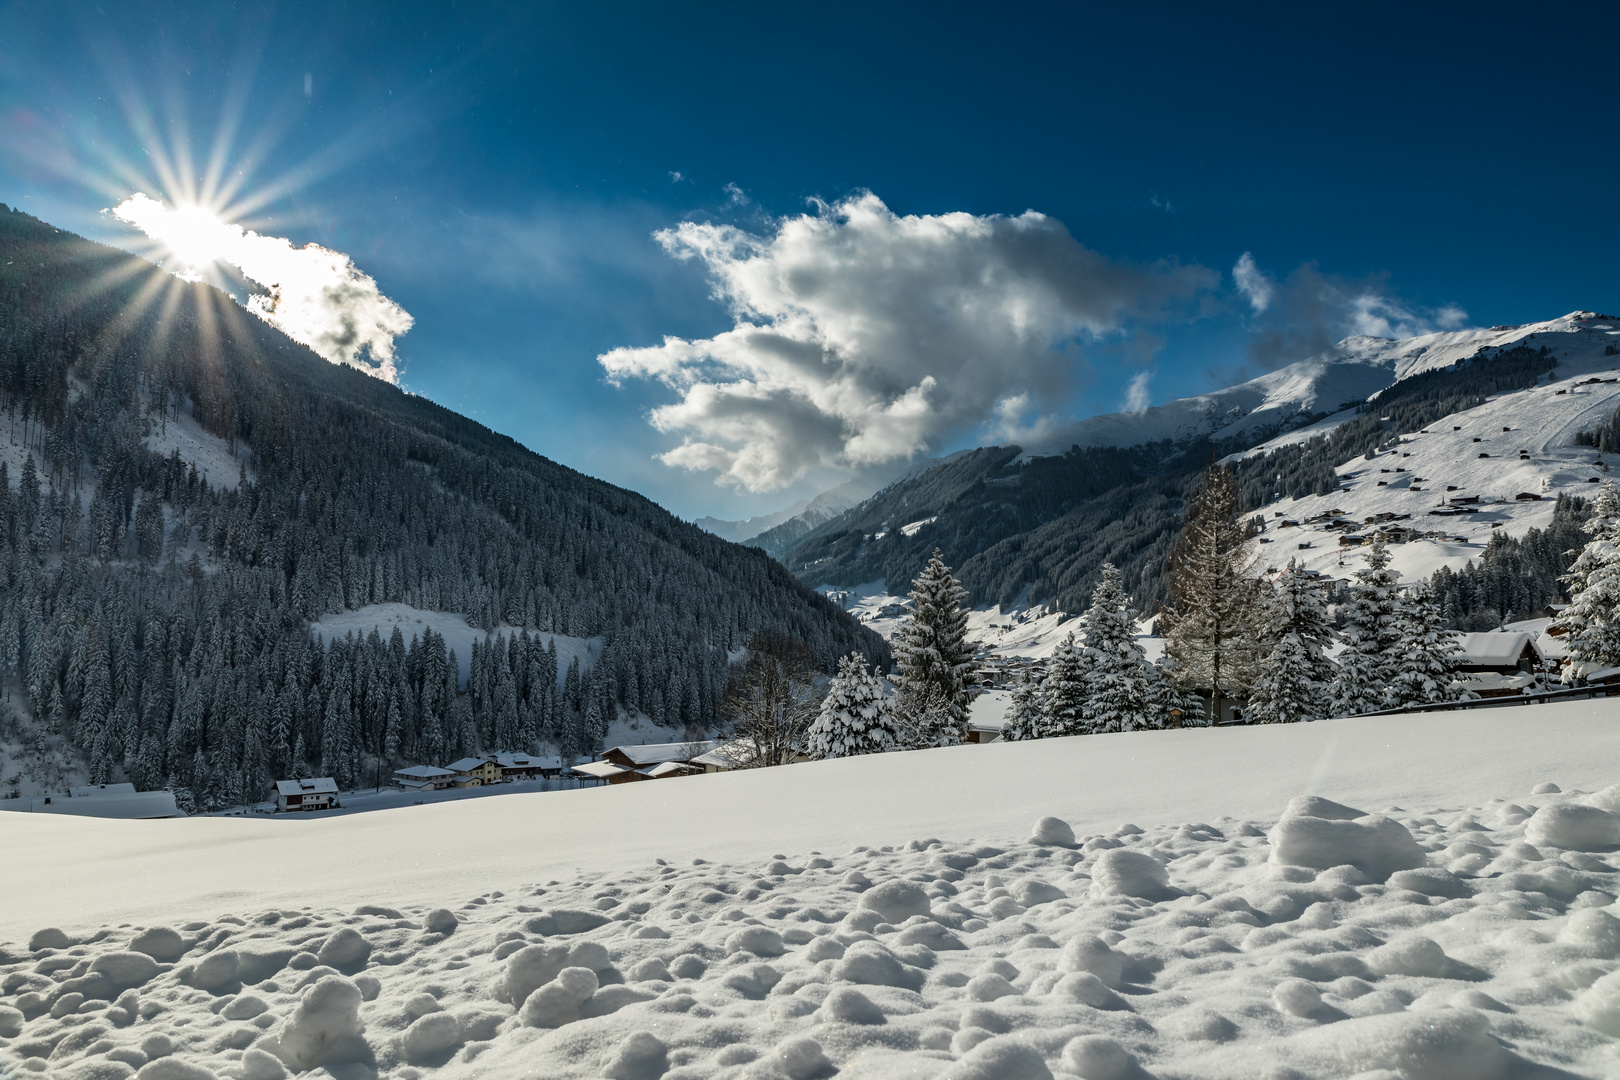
[479,771]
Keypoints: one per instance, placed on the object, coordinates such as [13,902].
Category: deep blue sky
[499,169]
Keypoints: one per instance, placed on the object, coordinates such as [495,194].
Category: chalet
[602,772]
[723,758]
[1506,652]
[528,766]
[984,730]
[423,777]
[1527,496]
[475,772]
[1498,663]
[318,793]
[649,761]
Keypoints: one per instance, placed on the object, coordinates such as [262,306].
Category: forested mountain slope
[157,620]
[1018,526]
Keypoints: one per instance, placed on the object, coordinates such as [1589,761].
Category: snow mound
[1322,834]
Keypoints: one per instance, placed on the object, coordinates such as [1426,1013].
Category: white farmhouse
[424,777]
[314,794]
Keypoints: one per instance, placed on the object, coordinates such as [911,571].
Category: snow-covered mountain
[1354,370]
[1024,526]
[1494,469]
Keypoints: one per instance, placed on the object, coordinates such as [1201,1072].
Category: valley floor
[897,916]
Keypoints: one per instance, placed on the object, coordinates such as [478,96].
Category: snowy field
[366,800]
[896,916]
[209,453]
[457,632]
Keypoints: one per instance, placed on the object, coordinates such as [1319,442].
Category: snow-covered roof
[90,791]
[423,772]
[529,761]
[1496,680]
[1494,648]
[601,770]
[130,805]
[466,764]
[653,753]
[725,755]
[320,785]
[663,769]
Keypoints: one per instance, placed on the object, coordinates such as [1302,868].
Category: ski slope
[1146,904]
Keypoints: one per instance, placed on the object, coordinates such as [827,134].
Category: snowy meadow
[1408,894]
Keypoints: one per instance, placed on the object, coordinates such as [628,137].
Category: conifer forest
[154,618]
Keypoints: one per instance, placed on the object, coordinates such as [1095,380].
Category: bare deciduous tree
[771,701]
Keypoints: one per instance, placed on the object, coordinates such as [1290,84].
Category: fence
[1573,694]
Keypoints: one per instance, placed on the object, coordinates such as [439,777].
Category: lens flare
[315,295]
[191,236]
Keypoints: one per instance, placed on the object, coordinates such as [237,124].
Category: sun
[190,234]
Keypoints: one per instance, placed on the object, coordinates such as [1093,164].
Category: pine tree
[1592,619]
[1215,610]
[1024,717]
[854,717]
[934,658]
[1368,662]
[1118,693]
[1063,691]
[1426,654]
[1296,677]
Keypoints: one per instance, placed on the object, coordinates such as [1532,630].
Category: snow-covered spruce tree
[1368,662]
[1024,717]
[854,717]
[1118,692]
[1215,607]
[1063,691]
[1295,678]
[1426,652]
[1592,619]
[934,659]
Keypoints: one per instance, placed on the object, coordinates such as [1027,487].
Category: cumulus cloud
[1252,283]
[314,295]
[861,336]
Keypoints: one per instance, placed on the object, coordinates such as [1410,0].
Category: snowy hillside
[1357,368]
[1059,908]
[1478,468]
[1018,631]
[208,453]
[458,634]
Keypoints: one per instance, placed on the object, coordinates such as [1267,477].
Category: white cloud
[862,336]
[1137,398]
[1252,283]
[1375,315]
[316,296]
